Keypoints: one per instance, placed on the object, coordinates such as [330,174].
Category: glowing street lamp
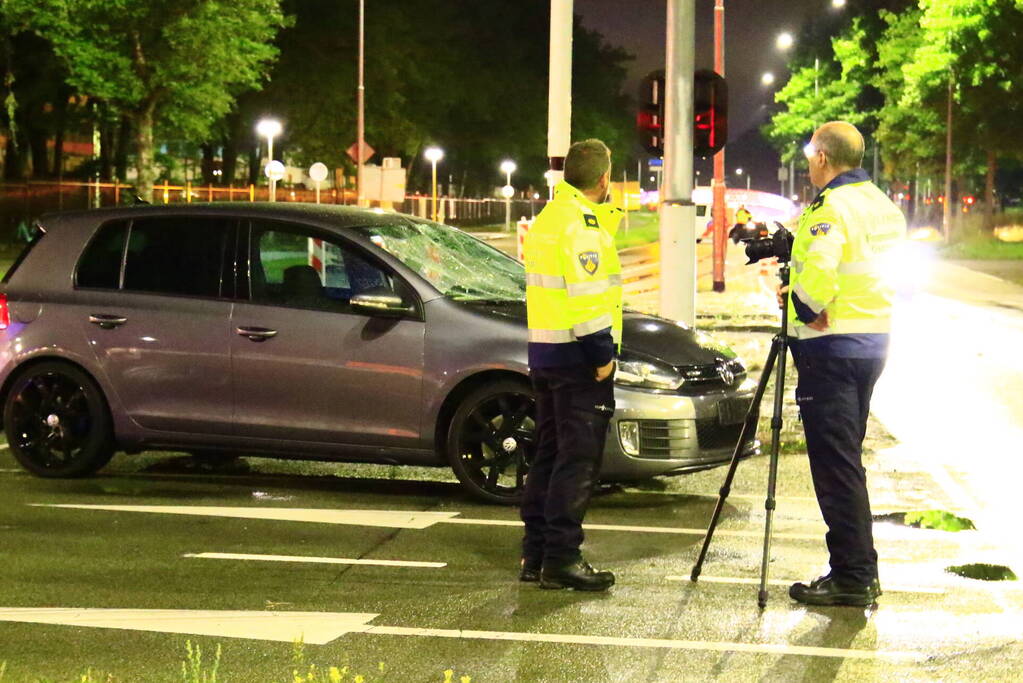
[767,78]
[738,172]
[838,4]
[784,41]
[433,155]
[507,167]
[270,128]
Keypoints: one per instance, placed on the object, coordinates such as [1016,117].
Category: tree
[171,67]
[975,45]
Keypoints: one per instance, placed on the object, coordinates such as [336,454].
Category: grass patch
[644,228]
[984,248]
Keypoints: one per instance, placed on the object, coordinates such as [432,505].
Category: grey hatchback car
[317,332]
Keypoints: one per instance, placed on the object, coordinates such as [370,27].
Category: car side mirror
[381,305]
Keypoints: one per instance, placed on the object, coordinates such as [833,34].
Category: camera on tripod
[778,245]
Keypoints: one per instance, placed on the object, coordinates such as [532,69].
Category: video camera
[778,245]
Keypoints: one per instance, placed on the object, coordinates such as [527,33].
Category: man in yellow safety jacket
[840,315]
[574,310]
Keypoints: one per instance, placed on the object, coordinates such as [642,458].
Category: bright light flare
[508,166]
[433,154]
[927,233]
[767,78]
[838,4]
[784,41]
[269,128]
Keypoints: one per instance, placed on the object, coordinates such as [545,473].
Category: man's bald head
[841,143]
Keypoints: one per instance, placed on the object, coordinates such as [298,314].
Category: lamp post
[738,172]
[433,155]
[270,128]
[507,167]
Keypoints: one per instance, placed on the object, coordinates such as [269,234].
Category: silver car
[316,332]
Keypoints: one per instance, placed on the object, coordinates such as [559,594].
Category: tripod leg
[772,479]
[748,427]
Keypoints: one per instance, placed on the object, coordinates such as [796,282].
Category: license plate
[733,410]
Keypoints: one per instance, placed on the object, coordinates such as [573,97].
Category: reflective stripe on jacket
[842,240]
[573,282]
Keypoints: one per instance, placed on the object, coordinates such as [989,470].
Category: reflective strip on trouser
[551,336]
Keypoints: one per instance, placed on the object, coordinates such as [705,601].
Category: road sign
[367,152]
[274,170]
[318,172]
[783,174]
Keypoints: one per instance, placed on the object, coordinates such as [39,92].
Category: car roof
[324,215]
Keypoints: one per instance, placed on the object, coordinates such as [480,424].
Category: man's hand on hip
[604,371]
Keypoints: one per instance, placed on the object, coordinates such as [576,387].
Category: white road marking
[393,519]
[754,648]
[11,470]
[317,560]
[320,628]
[786,584]
[397,519]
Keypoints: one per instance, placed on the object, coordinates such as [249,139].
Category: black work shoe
[529,571]
[828,590]
[578,575]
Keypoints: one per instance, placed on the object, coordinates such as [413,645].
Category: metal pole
[946,214]
[361,104]
[678,215]
[273,181]
[434,164]
[625,197]
[559,93]
[720,229]
[792,176]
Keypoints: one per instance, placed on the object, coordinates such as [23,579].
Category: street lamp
[784,41]
[767,78]
[270,128]
[433,155]
[838,4]
[507,167]
[738,172]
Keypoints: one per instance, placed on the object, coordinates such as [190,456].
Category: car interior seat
[302,286]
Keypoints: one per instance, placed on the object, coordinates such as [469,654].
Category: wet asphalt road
[929,625]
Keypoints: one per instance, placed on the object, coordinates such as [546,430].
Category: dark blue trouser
[834,401]
[572,415]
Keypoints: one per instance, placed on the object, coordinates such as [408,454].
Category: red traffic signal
[710,113]
[650,117]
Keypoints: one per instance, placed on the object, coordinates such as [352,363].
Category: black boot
[529,570]
[578,575]
[828,590]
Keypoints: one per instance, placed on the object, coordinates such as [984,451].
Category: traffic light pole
[678,214]
[719,209]
[559,92]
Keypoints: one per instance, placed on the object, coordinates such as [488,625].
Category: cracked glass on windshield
[458,265]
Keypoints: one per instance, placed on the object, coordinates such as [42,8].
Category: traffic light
[710,113]
[650,118]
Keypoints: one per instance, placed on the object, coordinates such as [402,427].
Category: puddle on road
[983,572]
[928,519]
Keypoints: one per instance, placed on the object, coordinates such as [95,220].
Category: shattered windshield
[458,265]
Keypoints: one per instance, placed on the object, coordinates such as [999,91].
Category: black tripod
[778,353]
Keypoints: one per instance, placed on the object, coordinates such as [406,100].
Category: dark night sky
[751,26]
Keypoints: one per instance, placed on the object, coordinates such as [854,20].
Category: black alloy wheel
[57,422]
[491,441]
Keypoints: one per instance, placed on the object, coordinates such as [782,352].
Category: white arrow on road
[320,628]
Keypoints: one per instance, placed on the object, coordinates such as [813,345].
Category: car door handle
[106,321]
[256,334]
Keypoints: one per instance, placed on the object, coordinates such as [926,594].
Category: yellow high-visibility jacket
[843,238]
[573,282]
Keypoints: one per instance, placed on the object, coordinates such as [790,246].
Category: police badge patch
[820,228]
[591,220]
[589,260]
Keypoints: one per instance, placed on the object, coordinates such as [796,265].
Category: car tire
[57,421]
[491,438]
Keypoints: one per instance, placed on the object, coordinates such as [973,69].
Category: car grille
[711,434]
[664,439]
[700,378]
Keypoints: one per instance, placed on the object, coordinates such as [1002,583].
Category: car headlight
[633,372]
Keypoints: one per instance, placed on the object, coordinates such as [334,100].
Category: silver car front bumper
[676,434]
